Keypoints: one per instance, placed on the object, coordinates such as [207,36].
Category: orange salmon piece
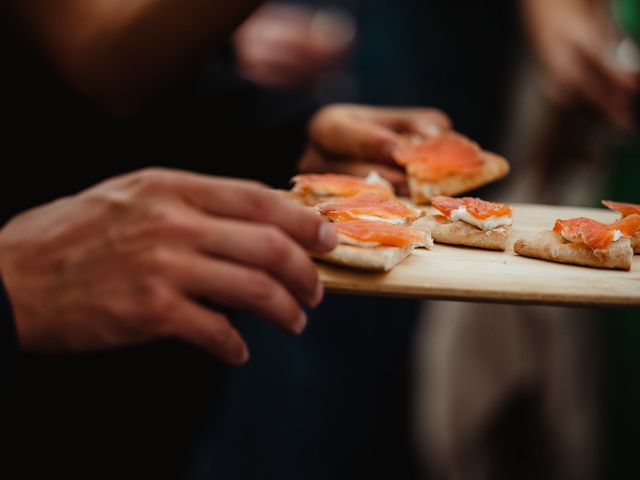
[628,225]
[596,235]
[623,208]
[382,233]
[480,209]
[437,157]
[369,204]
[334,184]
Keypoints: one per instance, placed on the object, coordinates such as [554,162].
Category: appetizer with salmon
[447,164]
[470,222]
[376,246]
[313,188]
[369,206]
[587,242]
[626,209]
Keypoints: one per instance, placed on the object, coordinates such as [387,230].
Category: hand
[131,259]
[570,38]
[355,139]
[291,46]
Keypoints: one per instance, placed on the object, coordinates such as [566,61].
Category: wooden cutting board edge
[344,281]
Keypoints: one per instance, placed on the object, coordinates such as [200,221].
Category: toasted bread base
[461,233]
[552,247]
[494,168]
[379,259]
[310,199]
[635,243]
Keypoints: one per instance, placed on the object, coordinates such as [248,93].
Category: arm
[119,53]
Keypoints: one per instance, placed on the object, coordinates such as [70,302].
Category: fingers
[209,330]
[611,91]
[248,201]
[236,286]
[265,248]
[579,70]
[422,121]
[340,133]
[371,133]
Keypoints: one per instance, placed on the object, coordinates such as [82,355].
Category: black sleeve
[8,337]
[226,125]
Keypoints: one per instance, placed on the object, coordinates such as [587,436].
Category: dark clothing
[455,55]
[8,339]
[135,412]
[217,124]
[333,403]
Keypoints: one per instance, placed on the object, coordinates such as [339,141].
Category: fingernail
[431,129]
[327,238]
[317,295]
[301,323]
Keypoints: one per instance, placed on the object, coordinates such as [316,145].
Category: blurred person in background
[533,392]
[600,125]
[94,89]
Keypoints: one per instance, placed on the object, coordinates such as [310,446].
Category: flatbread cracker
[461,233]
[378,259]
[551,246]
[494,168]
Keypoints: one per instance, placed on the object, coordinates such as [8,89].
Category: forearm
[119,53]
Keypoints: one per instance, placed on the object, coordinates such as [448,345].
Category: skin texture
[355,139]
[570,39]
[131,259]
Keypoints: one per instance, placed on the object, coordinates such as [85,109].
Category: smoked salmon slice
[369,206]
[371,234]
[624,209]
[480,209]
[596,235]
[437,157]
[336,185]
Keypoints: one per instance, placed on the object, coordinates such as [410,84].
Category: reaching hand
[131,260]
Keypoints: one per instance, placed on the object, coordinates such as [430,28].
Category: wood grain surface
[461,273]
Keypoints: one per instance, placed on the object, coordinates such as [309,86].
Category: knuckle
[157,307]
[258,201]
[151,180]
[155,259]
[262,289]
[278,246]
[160,220]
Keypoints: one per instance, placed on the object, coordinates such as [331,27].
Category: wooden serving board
[461,273]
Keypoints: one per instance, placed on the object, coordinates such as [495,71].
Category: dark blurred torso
[136,412]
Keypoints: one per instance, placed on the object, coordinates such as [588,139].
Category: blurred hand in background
[355,139]
[571,39]
[291,46]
